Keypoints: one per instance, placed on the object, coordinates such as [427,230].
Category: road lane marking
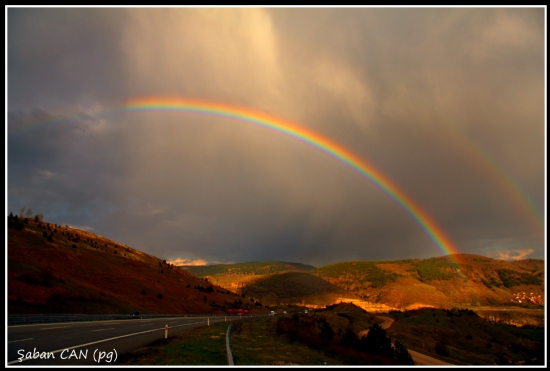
[104,329]
[102,341]
[16,341]
[109,324]
[149,324]
[51,328]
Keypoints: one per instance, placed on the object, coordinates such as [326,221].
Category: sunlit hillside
[451,281]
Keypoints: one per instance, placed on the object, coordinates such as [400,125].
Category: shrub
[159,296]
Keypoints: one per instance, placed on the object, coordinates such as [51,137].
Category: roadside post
[165,331]
[208,321]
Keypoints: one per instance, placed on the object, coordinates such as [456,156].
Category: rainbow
[513,192]
[331,148]
[491,168]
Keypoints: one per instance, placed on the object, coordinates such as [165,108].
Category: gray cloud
[448,103]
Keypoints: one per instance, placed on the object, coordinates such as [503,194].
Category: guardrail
[28,319]
[228,347]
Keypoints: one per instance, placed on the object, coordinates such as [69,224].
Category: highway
[91,343]
[103,342]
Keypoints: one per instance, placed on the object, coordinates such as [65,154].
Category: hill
[294,288]
[59,269]
[273,282]
[461,280]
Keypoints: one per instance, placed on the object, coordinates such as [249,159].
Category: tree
[349,338]
[15,223]
[402,354]
[376,342]
[327,333]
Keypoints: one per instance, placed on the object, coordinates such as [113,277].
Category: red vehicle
[238,312]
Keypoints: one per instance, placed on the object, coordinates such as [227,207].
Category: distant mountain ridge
[461,280]
[251,268]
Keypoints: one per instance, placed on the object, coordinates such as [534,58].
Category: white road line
[104,329]
[109,324]
[101,341]
[51,328]
[149,324]
[16,341]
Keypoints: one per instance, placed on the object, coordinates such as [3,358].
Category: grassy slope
[257,343]
[55,277]
[466,337]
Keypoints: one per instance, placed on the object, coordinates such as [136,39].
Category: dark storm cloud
[62,56]
[436,99]
[63,166]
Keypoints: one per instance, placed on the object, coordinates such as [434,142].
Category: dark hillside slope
[294,288]
[58,269]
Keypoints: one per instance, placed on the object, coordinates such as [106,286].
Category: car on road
[134,314]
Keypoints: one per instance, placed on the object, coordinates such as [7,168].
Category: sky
[446,105]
